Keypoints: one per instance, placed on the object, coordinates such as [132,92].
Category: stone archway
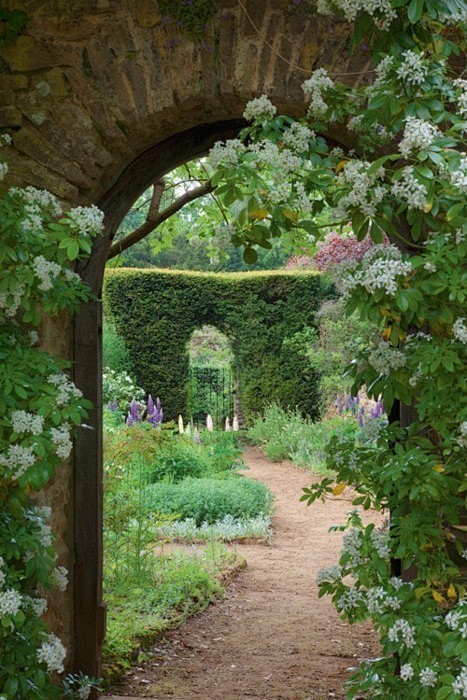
[100,102]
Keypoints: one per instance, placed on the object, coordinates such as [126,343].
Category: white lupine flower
[384,358]
[235,425]
[406,672]
[409,189]
[259,108]
[18,459]
[402,632]
[418,134]
[328,575]
[428,677]
[227,424]
[460,684]
[226,152]
[24,422]
[88,219]
[46,271]
[181,429]
[459,329]
[52,653]
[209,423]
[314,87]
[10,602]
[3,170]
[61,440]
[413,69]
[59,578]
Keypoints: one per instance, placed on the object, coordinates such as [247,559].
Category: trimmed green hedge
[156,311]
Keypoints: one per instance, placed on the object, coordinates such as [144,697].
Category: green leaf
[415,11]
[250,256]
[72,250]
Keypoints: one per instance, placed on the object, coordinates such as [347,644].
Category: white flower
[402,632]
[66,389]
[352,543]
[5,139]
[298,137]
[381,11]
[38,605]
[418,134]
[361,190]
[314,87]
[181,429]
[462,97]
[24,422]
[413,69]
[2,573]
[462,440]
[46,271]
[209,423]
[328,575]
[10,602]
[3,170]
[18,459]
[89,220]
[459,176]
[59,578]
[259,108]
[380,542]
[61,440]
[33,337]
[406,672]
[384,358]
[460,684]
[350,599]
[235,425]
[226,152]
[409,189]
[52,653]
[428,677]
[227,424]
[459,329]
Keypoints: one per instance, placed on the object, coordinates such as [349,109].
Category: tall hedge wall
[156,311]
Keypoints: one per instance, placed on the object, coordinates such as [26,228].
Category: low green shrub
[210,499]
[227,529]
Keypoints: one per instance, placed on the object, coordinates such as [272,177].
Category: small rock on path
[271,637]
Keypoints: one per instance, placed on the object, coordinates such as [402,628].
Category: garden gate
[211,392]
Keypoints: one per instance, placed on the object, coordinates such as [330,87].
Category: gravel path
[271,637]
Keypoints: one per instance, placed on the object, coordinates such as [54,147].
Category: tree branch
[155,217]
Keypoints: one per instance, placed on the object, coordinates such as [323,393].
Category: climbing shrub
[39,406]
[157,311]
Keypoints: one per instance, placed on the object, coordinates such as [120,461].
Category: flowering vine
[39,405]
[403,187]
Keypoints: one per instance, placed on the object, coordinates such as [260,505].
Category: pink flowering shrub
[336,249]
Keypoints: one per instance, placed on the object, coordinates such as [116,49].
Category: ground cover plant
[404,179]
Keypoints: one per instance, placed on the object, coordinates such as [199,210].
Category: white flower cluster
[406,672]
[37,201]
[418,134]
[259,108]
[10,602]
[3,170]
[459,329]
[352,543]
[314,87]
[462,97]
[59,578]
[460,684]
[12,301]
[39,515]
[89,220]
[46,271]
[380,268]
[377,601]
[410,190]
[384,358]
[459,176]
[298,137]
[37,605]
[381,11]
[413,69]
[283,160]
[225,152]
[428,677]
[350,599]
[52,653]
[61,440]
[18,459]
[380,540]
[329,574]
[5,139]
[66,389]
[402,632]
[364,191]
[24,422]
[304,200]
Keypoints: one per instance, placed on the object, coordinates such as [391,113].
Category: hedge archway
[156,312]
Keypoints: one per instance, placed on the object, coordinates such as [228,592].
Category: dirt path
[271,638]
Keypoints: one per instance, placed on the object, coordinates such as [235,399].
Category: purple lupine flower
[150,405]
[113,406]
[339,404]
[133,413]
[196,437]
[360,415]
